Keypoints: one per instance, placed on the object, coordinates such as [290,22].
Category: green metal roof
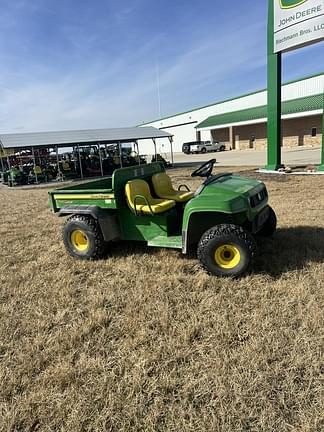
[309,103]
[69,138]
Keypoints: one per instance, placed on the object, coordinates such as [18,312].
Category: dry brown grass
[146,341]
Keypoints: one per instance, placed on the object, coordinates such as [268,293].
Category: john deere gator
[220,219]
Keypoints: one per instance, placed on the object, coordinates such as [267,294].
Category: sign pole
[321,167]
[288,29]
[274,97]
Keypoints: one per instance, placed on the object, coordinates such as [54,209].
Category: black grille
[258,198]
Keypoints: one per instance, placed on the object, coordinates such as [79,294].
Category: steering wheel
[205,169]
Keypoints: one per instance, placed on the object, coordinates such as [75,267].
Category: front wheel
[270,226]
[83,238]
[226,250]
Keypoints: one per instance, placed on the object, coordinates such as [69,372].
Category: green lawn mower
[140,203]
[16,177]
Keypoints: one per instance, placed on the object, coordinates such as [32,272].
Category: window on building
[314,132]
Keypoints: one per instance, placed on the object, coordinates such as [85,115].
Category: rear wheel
[226,250]
[203,150]
[83,238]
[270,225]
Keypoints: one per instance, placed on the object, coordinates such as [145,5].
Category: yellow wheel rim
[79,241]
[227,256]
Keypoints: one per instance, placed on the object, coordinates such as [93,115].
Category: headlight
[258,198]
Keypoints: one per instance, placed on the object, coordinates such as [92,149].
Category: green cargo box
[104,193]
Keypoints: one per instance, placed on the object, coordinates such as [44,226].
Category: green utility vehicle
[141,204]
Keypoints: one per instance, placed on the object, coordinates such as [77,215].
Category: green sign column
[321,167]
[274,97]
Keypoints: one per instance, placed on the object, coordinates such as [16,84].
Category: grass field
[146,341]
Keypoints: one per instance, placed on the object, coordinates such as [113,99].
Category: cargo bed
[95,193]
[102,193]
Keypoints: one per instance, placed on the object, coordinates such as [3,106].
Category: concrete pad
[290,157]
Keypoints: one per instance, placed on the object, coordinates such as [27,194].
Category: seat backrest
[123,175]
[38,170]
[66,166]
[162,184]
[116,160]
[137,187]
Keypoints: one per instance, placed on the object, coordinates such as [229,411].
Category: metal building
[241,122]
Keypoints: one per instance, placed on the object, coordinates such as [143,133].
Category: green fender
[205,211]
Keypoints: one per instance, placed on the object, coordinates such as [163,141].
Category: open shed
[33,143]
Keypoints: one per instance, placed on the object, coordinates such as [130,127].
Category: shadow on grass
[290,249]
[128,248]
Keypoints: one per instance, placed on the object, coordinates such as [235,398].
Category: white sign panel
[297,22]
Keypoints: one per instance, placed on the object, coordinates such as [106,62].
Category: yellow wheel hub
[227,256]
[79,240]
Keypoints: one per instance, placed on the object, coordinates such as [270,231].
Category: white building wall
[182,126]
[206,135]
[146,147]
[303,88]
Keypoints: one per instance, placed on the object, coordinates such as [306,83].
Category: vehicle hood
[230,193]
[233,186]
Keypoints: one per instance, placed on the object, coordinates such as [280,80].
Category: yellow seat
[38,170]
[164,189]
[66,166]
[116,160]
[140,200]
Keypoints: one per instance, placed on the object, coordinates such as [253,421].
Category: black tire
[93,246]
[203,150]
[226,238]
[222,148]
[270,225]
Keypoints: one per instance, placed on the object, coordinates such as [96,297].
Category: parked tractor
[221,219]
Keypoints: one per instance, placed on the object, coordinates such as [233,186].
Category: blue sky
[69,64]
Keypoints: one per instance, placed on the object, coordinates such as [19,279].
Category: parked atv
[140,203]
